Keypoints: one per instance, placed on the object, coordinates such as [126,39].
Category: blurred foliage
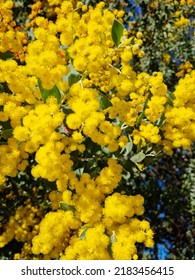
[169,190]
[167,44]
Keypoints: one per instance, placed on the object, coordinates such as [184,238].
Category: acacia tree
[78,124]
[168,43]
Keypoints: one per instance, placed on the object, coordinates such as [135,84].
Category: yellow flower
[52,233]
[181,22]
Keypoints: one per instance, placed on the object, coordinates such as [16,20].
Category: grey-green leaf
[117,32]
[45,93]
[112,240]
[138,157]
[83,234]
[127,148]
[66,207]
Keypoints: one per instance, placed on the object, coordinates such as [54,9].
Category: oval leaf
[5,88]
[6,55]
[66,207]
[138,157]
[73,78]
[117,32]
[45,93]
[112,240]
[7,133]
[104,101]
[6,125]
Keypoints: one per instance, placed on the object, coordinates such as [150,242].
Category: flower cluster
[53,234]
[184,68]
[23,226]
[9,39]
[180,119]
[13,159]
[91,223]
[182,21]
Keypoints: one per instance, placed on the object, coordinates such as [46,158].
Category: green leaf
[104,101]
[138,157]
[127,148]
[170,98]
[45,93]
[127,175]
[66,207]
[67,110]
[83,234]
[142,115]
[5,88]
[112,240]
[46,204]
[149,160]
[73,78]
[6,55]
[7,133]
[5,125]
[105,150]
[79,171]
[117,32]
[128,165]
